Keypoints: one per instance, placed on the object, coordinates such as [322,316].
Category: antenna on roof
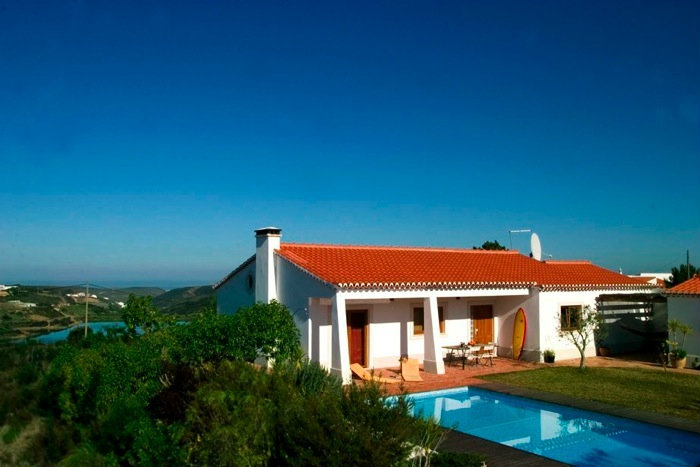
[511,232]
[535,247]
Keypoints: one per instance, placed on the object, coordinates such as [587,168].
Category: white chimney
[267,240]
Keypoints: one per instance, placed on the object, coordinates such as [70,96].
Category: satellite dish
[535,247]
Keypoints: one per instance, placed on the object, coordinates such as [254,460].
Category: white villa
[373,304]
[684,306]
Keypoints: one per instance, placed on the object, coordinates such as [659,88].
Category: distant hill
[27,310]
[184,300]
[141,291]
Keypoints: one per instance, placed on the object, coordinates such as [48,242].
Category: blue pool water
[97,326]
[574,436]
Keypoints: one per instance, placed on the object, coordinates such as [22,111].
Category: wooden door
[482,323]
[358,333]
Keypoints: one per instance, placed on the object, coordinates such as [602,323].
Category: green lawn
[667,392]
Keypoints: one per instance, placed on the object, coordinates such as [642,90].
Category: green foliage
[229,419]
[303,416]
[268,330]
[581,331]
[86,454]
[139,312]
[681,274]
[11,434]
[673,349]
[187,395]
[210,337]
[678,354]
[491,245]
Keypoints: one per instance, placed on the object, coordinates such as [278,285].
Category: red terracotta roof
[689,287]
[371,267]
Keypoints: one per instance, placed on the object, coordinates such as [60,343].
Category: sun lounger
[368,376]
[409,369]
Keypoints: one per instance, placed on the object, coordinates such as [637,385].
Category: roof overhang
[231,274]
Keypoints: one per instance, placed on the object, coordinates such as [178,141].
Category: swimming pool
[574,436]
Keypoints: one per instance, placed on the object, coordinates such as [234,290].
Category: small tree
[490,245]
[267,330]
[580,326]
[681,274]
[140,312]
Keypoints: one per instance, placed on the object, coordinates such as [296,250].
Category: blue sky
[142,142]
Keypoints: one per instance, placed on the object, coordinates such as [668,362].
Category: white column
[310,328]
[432,354]
[340,359]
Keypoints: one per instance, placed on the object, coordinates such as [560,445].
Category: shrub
[268,330]
[230,419]
[184,395]
[208,338]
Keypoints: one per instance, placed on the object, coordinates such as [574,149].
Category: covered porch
[377,328]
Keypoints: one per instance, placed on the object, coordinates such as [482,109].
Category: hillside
[32,310]
[184,300]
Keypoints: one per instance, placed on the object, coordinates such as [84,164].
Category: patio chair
[368,376]
[471,356]
[487,353]
[409,369]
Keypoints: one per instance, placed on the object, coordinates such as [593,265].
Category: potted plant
[676,353]
[678,357]
[548,355]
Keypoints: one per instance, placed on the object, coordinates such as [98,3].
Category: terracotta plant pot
[603,351]
[678,362]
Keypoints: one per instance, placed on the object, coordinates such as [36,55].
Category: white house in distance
[373,304]
[684,306]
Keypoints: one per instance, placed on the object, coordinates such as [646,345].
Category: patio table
[459,351]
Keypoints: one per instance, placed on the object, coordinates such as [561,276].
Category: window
[419,320]
[570,317]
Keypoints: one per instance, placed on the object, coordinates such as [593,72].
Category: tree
[682,273]
[267,330]
[139,312]
[491,245]
[579,326]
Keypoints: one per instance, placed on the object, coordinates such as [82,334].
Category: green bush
[208,338]
[303,416]
[188,395]
[268,330]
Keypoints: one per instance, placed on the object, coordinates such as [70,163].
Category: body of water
[97,326]
[574,436]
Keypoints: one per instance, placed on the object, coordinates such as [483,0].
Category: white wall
[294,288]
[391,328]
[505,309]
[550,312]
[236,293]
[687,311]
[321,333]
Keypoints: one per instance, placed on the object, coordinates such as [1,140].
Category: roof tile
[372,267]
[689,287]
